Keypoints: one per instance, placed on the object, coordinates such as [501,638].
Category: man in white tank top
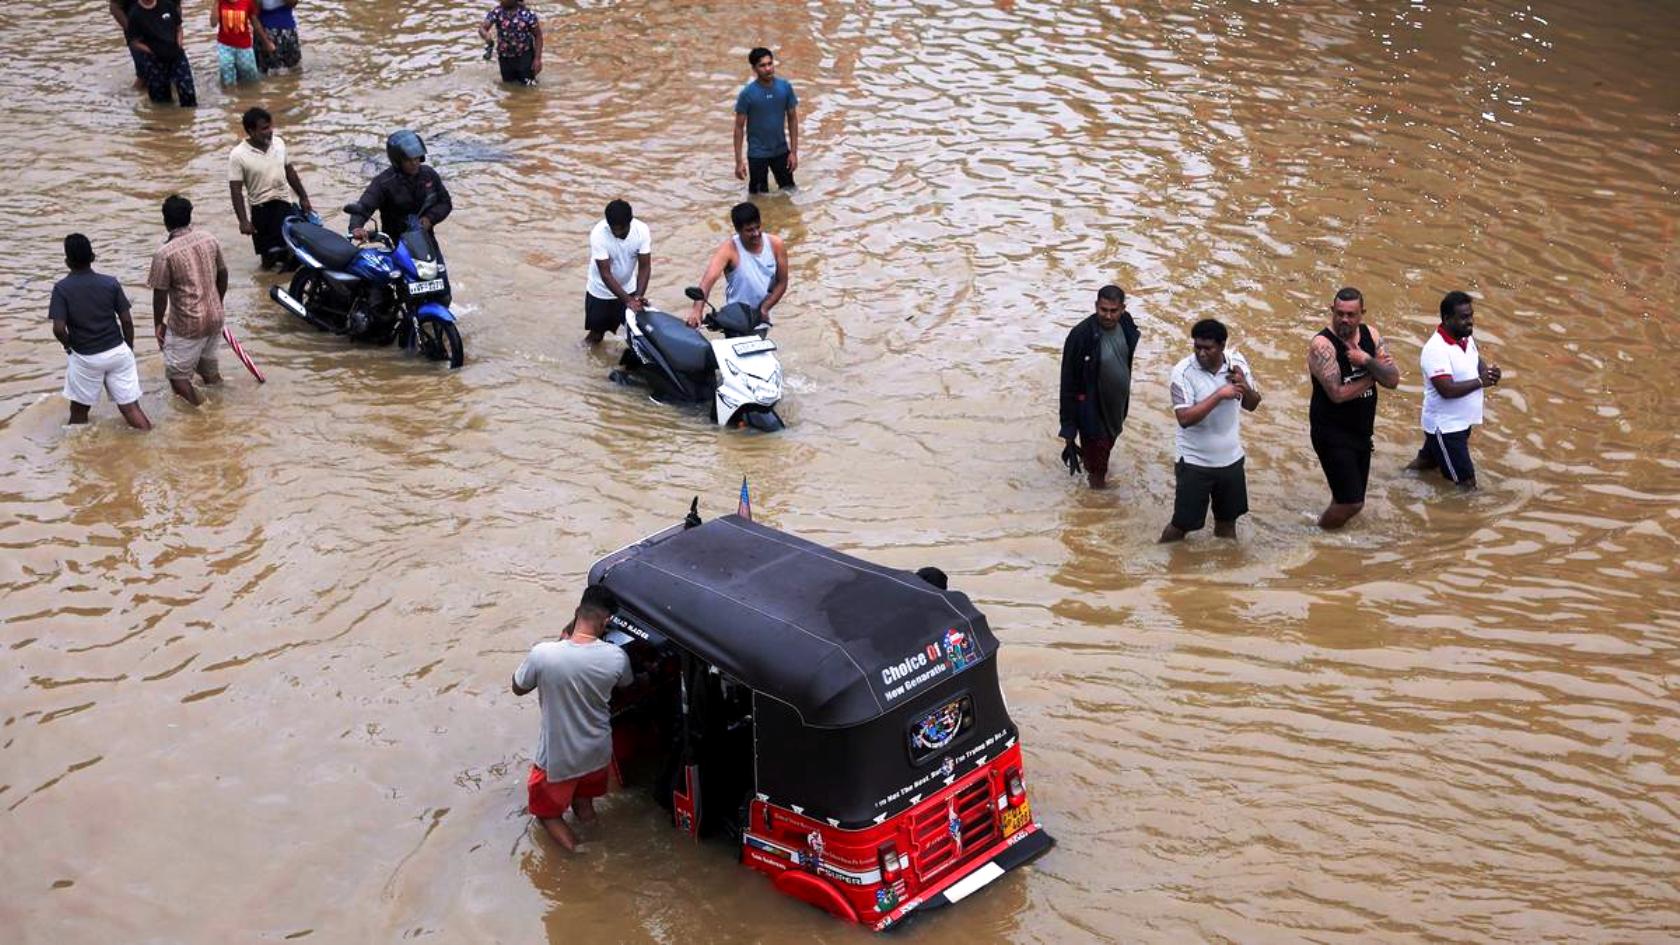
[753,264]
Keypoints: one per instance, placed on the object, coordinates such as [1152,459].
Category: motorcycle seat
[333,250]
[683,347]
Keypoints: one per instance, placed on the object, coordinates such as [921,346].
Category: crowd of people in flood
[1346,362]
[1209,388]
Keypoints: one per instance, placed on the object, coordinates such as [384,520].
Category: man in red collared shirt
[1452,398]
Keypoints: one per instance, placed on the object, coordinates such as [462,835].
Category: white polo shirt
[1444,357]
[622,254]
[261,173]
[1214,442]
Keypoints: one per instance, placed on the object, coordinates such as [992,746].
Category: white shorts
[110,371]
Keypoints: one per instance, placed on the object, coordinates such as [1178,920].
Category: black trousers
[518,68]
[759,169]
[266,219]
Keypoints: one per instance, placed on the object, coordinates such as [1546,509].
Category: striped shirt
[185,266]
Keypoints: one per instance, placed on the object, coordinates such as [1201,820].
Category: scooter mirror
[353,208]
[694,293]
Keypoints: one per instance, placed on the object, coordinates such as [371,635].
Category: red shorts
[549,799]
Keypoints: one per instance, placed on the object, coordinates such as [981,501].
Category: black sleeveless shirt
[1353,419]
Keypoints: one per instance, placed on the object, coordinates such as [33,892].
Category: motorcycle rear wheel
[306,288]
[441,341]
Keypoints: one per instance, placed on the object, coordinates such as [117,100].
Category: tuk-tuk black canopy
[840,640]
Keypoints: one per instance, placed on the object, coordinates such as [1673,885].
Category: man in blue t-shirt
[760,112]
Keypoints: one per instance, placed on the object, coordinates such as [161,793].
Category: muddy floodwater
[254,664]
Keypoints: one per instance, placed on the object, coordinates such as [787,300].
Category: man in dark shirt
[407,188]
[1097,384]
[90,318]
[155,35]
[1346,362]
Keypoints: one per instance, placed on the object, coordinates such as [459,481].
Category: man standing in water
[1346,363]
[518,38]
[188,281]
[1205,388]
[90,318]
[1452,397]
[753,262]
[762,109]
[574,678]
[1097,383]
[259,171]
[619,247]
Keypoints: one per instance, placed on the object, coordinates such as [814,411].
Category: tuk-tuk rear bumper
[1019,850]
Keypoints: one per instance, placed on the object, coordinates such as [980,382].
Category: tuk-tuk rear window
[941,727]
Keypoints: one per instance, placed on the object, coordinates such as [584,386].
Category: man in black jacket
[1097,384]
[403,190]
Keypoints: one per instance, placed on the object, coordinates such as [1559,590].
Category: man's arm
[61,331]
[778,288]
[604,267]
[160,308]
[1191,414]
[119,12]
[1245,391]
[1383,367]
[441,207]
[519,690]
[260,33]
[1321,364]
[236,191]
[1071,383]
[536,61]
[369,202]
[221,275]
[297,187]
[125,317]
[723,256]
[484,27]
[793,138]
[644,272]
[740,141]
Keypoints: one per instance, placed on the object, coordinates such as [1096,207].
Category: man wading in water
[754,265]
[1346,363]
[574,678]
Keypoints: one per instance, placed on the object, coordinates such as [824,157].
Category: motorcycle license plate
[754,346]
[425,288]
[1016,817]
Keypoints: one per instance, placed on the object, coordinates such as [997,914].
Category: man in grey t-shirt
[574,678]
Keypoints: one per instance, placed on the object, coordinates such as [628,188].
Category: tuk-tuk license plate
[425,288]
[1015,818]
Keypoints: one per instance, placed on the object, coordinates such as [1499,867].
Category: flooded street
[254,683]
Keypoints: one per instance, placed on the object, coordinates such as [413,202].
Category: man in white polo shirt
[1452,397]
[619,248]
[1206,388]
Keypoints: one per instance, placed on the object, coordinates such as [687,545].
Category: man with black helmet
[408,188]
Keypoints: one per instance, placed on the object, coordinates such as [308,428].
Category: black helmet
[404,144]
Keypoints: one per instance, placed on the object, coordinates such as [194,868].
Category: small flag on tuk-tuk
[745,508]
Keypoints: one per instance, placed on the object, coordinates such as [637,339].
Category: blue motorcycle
[382,291]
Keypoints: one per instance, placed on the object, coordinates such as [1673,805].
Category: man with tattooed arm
[1346,361]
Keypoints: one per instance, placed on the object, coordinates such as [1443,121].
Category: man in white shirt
[619,248]
[574,678]
[1452,396]
[1205,389]
[259,173]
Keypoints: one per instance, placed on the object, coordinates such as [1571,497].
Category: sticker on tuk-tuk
[936,730]
[960,651]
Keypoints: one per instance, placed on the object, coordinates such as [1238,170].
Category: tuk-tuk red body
[840,721]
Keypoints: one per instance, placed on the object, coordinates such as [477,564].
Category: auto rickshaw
[838,722]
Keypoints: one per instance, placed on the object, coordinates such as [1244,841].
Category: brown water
[254,684]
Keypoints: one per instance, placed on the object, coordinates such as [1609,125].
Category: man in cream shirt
[259,173]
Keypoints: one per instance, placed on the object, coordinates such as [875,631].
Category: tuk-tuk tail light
[1017,788]
[889,862]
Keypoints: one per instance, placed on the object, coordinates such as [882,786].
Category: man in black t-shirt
[1346,363]
[156,36]
[90,318]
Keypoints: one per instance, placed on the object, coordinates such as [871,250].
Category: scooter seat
[333,250]
[683,347]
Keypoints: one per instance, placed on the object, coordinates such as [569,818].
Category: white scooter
[738,373]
